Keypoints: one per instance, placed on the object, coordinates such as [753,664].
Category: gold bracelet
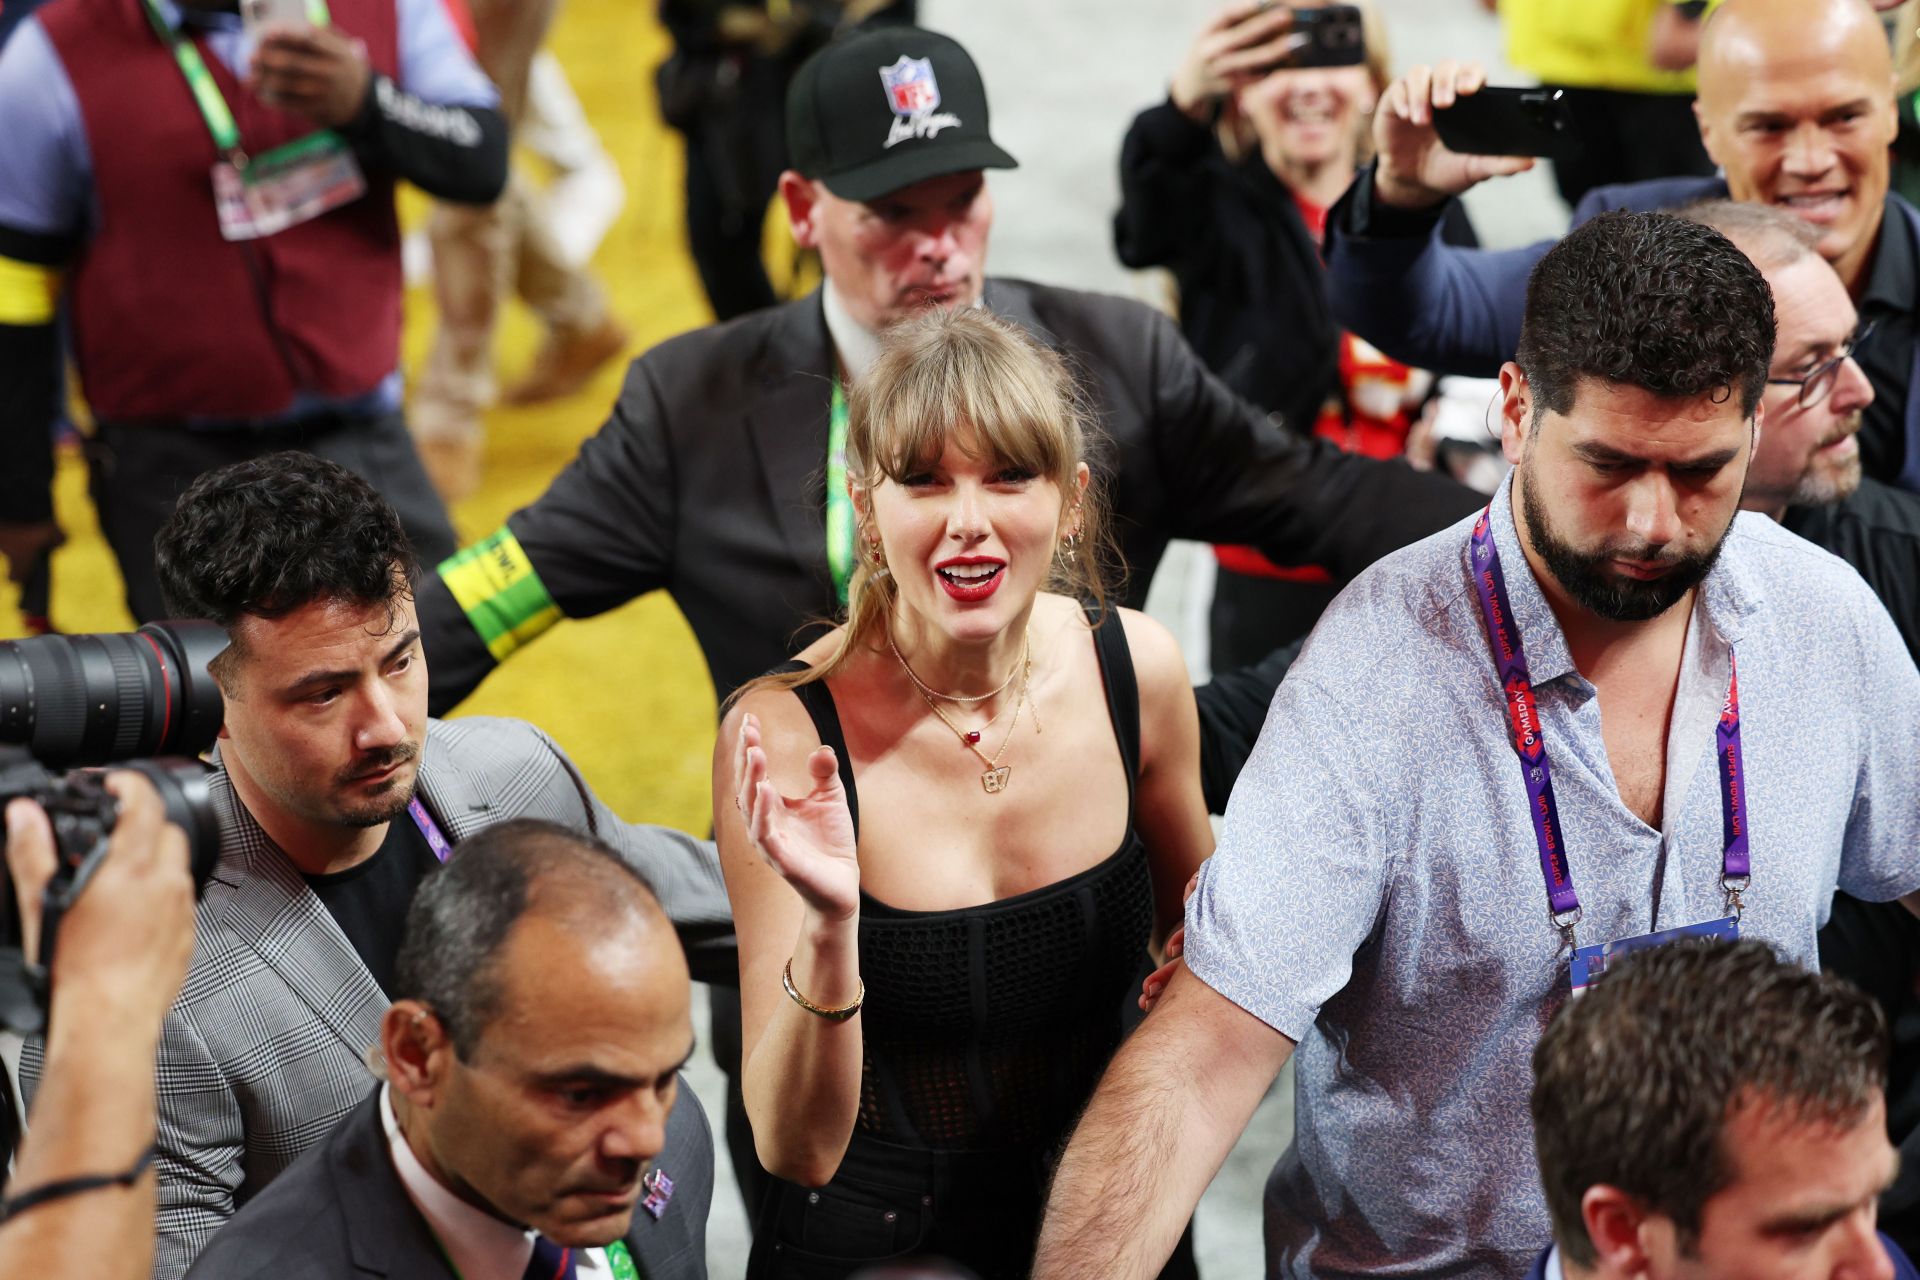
[831,1015]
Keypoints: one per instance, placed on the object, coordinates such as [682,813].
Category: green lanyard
[206,94]
[624,1267]
[839,505]
[619,1260]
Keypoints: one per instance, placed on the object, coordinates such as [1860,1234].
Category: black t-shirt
[370,901]
[1889,299]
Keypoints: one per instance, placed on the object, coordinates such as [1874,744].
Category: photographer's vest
[171,321]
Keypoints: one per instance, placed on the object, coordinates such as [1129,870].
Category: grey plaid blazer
[265,1050]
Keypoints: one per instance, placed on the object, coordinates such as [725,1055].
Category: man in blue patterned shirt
[1507,754]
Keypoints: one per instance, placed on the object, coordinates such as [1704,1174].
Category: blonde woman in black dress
[954,828]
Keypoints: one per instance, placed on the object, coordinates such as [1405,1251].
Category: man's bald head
[1796,105]
[1776,36]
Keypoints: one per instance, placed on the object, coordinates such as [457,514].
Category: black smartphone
[1507,122]
[1335,35]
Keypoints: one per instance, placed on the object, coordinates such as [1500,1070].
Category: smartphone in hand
[1507,122]
[260,15]
[1335,37]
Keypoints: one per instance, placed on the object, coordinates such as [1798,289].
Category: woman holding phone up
[1228,184]
[952,829]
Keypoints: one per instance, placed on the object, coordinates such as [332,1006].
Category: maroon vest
[169,320]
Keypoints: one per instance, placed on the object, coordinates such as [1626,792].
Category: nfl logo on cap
[911,88]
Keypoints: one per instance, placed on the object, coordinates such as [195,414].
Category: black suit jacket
[709,481]
[341,1213]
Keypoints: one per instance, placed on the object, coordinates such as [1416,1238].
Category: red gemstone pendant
[973,736]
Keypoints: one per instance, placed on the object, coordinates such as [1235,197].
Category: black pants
[889,1204]
[137,474]
[1629,137]
[735,153]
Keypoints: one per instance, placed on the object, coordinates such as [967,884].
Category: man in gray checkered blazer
[336,795]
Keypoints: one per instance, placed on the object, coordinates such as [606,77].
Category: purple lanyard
[1529,743]
[430,829]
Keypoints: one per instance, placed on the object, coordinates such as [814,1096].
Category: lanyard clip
[1735,886]
[1564,922]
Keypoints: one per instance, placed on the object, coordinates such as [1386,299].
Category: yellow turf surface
[626,694]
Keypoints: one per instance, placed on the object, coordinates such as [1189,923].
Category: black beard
[1584,575]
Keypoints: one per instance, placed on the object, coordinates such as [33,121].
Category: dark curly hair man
[336,796]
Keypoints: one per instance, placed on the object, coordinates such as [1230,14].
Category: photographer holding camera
[334,796]
[83,1189]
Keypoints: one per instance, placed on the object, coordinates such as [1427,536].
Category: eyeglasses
[1814,387]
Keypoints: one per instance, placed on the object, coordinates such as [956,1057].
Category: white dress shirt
[856,346]
[480,1246]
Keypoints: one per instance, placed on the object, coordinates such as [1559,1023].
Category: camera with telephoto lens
[142,701]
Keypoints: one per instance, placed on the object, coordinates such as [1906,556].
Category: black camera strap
[13,1206]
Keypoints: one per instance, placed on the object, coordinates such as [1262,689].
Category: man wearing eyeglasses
[1796,106]
[1806,469]
[1806,475]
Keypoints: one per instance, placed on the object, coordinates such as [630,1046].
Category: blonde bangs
[965,378]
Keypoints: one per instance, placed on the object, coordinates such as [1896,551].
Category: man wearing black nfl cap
[708,478]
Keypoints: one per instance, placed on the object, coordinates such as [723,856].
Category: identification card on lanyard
[1529,744]
[281,188]
[286,186]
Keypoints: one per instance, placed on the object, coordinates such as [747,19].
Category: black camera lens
[88,700]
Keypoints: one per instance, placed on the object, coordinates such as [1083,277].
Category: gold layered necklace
[997,775]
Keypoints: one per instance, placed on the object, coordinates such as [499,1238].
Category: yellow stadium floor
[626,694]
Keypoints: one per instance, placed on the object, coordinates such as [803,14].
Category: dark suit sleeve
[601,535]
[1235,476]
[1163,208]
[1233,707]
[1399,285]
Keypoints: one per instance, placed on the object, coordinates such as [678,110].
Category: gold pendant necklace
[997,775]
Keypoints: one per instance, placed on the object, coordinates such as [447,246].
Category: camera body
[142,701]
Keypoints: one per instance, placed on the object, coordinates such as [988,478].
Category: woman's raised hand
[808,839]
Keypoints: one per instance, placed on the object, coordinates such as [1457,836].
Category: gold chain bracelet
[831,1015]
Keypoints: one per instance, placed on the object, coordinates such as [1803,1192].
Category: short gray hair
[1772,237]
[460,917]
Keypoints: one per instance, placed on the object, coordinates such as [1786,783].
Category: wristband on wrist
[831,1015]
[13,1206]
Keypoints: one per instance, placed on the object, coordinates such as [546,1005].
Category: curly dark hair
[1647,300]
[1635,1081]
[267,536]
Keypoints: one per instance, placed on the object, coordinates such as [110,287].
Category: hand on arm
[1415,170]
[787,850]
[1155,1134]
[119,960]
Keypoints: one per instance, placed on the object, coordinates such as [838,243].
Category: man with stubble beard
[336,796]
[1543,759]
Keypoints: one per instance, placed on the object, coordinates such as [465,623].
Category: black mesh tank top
[988,1027]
